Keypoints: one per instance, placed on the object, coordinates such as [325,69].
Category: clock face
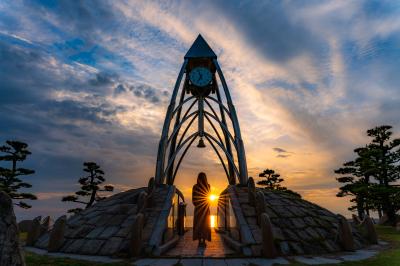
[200,76]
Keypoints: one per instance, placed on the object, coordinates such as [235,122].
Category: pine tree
[89,187]
[10,182]
[369,178]
[356,177]
[272,181]
[387,158]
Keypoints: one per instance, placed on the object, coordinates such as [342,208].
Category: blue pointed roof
[200,48]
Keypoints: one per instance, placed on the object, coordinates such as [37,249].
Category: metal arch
[208,137]
[236,128]
[221,160]
[227,141]
[220,104]
[172,145]
[180,160]
[231,176]
[194,135]
[186,129]
[172,142]
[222,126]
[167,123]
[184,119]
[183,102]
[214,128]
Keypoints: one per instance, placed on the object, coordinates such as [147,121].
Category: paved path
[186,247]
[216,261]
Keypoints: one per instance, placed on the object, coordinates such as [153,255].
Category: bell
[201,143]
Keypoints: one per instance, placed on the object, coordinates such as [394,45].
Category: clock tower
[202,100]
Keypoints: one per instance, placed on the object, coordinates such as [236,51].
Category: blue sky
[91,80]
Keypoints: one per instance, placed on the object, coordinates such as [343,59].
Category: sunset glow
[97,84]
[213,221]
[212,198]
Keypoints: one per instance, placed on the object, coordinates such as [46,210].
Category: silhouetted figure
[201,219]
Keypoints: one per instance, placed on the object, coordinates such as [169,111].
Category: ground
[390,257]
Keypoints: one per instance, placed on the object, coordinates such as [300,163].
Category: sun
[212,198]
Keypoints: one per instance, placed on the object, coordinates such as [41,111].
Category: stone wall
[106,227]
[298,226]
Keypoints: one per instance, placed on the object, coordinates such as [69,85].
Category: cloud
[92,81]
[280,150]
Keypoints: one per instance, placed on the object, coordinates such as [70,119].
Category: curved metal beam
[224,150]
[222,126]
[194,135]
[235,122]
[220,158]
[220,104]
[162,145]
[186,129]
[227,141]
[214,128]
[180,159]
[182,103]
[176,130]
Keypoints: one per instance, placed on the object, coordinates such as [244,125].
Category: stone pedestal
[10,250]
[57,234]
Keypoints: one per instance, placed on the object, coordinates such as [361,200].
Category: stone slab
[102,259]
[316,260]
[165,262]
[215,262]
[144,262]
[359,255]
[267,262]
[237,262]
[191,262]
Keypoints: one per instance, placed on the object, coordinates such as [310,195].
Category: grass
[389,257]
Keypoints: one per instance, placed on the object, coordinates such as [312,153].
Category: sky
[91,81]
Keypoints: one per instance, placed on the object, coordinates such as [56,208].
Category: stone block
[10,249]
[289,234]
[108,232]
[42,241]
[268,243]
[95,233]
[117,219]
[47,223]
[136,237]
[75,246]
[25,225]
[313,233]
[298,223]
[82,231]
[56,238]
[34,233]
[369,228]
[91,246]
[345,234]
[284,247]
[124,231]
[296,247]
[111,246]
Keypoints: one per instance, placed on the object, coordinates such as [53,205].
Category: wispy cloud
[91,81]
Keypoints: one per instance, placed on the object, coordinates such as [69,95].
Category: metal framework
[178,134]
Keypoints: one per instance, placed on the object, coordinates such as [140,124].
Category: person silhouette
[201,219]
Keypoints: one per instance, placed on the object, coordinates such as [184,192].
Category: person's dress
[201,219]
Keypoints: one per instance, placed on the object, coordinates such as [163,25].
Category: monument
[252,221]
